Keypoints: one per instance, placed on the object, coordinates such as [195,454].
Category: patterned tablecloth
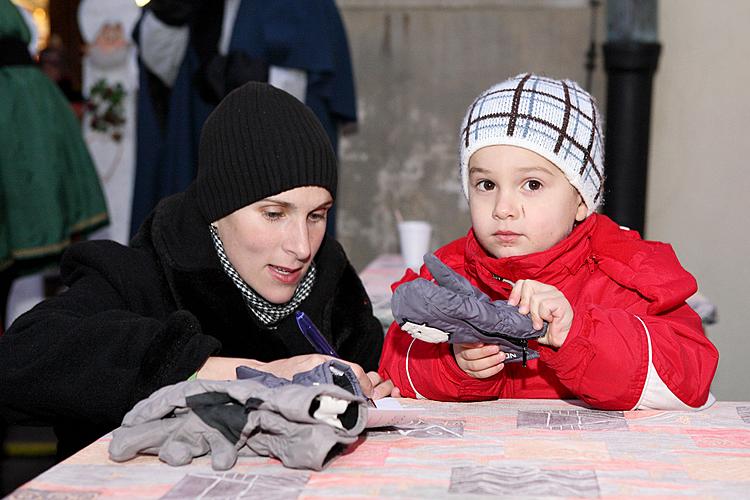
[524,448]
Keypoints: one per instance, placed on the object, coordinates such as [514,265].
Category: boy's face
[520,202]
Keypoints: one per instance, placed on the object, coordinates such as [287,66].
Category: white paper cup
[414,236]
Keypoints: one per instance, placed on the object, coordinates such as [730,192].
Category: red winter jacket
[634,342]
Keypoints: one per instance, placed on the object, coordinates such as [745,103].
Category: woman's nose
[297,241]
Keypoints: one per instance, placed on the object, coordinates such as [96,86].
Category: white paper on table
[389,412]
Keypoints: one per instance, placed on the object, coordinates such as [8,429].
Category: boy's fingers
[485,363]
[539,313]
[515,293]
[488,372]
[470,346]
[480,352]
[527,293]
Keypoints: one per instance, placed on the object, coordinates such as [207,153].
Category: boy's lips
[506,236]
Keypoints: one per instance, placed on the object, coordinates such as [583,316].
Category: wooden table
[524,448]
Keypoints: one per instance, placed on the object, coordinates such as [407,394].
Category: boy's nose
[506,206]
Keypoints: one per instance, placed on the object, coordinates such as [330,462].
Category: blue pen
[317,340]
[313,335]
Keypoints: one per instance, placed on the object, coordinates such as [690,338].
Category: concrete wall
[699,182]
[419,63]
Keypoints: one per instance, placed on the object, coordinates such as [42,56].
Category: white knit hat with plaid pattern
[556,119]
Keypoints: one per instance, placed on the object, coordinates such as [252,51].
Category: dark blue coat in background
[301,34]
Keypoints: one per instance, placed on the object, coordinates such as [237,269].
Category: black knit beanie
[258,142]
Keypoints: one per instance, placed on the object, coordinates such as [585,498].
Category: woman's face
[272,242]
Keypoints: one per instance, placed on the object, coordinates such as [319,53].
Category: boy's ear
[582,210]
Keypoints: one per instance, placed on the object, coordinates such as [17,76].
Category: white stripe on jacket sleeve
[408,375]
[656,395]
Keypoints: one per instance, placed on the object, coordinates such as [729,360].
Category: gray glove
[453,310]
[298,446]
[180,437]
[189,419]
[330,372]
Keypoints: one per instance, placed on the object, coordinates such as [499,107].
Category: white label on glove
[425,333]
[329,410]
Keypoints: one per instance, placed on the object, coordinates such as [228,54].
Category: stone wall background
[418,65]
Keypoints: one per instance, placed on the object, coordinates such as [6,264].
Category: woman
[211,281]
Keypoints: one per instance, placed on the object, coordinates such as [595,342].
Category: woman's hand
[544,303]
[479,360]
[216,368]
[382,388]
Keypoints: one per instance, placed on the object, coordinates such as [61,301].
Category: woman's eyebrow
[286,204]
[278,202]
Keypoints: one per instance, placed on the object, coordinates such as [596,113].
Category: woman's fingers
[364,380]
[381,388]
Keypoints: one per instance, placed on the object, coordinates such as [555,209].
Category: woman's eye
[318,216]
[533,185]
[485,185]
[273,215]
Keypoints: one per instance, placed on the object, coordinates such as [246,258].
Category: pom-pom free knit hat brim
[556,119]
[258,142]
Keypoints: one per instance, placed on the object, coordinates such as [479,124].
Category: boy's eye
[485,185]
[533,185]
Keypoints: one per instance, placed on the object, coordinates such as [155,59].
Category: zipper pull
[524,344]
[591,262]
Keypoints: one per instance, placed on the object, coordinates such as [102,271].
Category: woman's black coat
[137,318]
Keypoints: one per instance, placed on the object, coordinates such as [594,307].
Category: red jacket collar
[648,267]
[551,266]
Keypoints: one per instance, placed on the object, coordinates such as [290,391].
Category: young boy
[620,335]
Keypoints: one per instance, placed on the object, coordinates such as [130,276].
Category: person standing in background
[49,189]
[193,53]
[110,84]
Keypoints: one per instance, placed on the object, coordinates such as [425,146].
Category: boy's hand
[479,360]
[545,303]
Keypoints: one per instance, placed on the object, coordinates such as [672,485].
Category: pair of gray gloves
[451,309]
[304,423]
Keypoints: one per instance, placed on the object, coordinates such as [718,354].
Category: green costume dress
[49,188]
